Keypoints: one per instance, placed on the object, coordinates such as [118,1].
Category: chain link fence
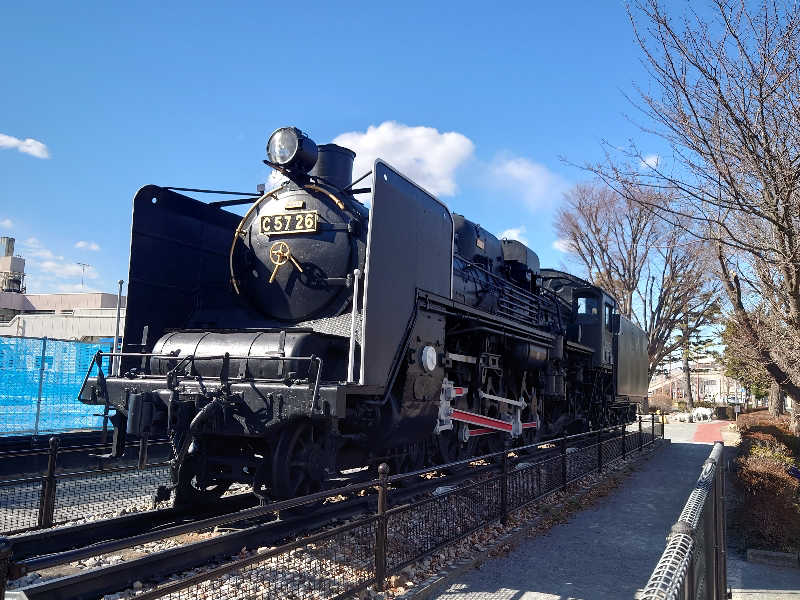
[39,383]
[55,498]
[693,565]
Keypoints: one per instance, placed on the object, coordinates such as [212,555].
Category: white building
[80,316]
[708,381]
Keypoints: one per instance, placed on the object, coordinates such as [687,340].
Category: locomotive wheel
[491,443]
[189,490]
[412,457]
[450,448]
[299,462]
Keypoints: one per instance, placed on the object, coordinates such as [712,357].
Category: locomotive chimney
[334,165]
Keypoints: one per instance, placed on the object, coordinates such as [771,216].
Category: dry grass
[767,514]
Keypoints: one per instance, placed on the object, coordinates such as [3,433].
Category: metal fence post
[599,453]
[504,486]
[5,561]
[653,427]
[564,461]
[538,479]
[47,499]
[380,530]
[104,433]
[622,436]
[115,360]
[641,444]
[723,542]
[716,533]
[688,581]
[41,380]
[143,440]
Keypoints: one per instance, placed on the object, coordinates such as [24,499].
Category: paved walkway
[609,550]
[752,581]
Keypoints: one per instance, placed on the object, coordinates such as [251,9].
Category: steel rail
[109,579]
[51,542]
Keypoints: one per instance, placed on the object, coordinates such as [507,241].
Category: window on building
[609,312]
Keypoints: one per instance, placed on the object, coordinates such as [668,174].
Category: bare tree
[776,404]
[726,98]
[657,274]
[686,349]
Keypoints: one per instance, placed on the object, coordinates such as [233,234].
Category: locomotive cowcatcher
[314,336]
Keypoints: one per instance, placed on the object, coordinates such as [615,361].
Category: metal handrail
[676,576]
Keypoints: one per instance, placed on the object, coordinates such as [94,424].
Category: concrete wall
[12,264]
[82,324]
[57,302]
[62,302]
[12,301]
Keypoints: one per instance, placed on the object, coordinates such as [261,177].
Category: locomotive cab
[594,322]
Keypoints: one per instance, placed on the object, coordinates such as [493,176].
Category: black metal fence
[55,497]
[693,565]
[342,561]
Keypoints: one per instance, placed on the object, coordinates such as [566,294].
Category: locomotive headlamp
[291,149]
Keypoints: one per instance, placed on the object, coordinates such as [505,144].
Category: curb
[436,583]
[775,559]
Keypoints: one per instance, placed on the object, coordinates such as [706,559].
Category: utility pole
[83,273]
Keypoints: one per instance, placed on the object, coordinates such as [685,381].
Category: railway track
[251,527]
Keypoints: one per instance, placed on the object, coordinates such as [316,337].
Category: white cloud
[88,245]
[67,270]
[48,272]
[33,248]
[536,185]
[650,161]
[275,179]
[562,245]
[515,233]
[26,146]
[424,154]
[6,224]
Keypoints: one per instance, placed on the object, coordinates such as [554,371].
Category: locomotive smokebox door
[409,248]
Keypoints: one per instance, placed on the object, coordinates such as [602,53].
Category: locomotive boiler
[314,335]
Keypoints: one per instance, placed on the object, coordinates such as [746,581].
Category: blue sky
[476,100]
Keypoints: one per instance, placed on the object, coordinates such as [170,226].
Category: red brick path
[710,432]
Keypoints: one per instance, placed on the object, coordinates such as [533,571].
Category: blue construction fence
[39,383]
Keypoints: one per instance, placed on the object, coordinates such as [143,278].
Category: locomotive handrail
[211,356]
[226,356]
[527,297]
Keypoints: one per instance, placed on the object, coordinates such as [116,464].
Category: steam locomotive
[315,335]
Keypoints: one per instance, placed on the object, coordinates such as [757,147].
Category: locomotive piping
[238,231]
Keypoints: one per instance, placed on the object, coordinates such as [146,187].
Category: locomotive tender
[314,335]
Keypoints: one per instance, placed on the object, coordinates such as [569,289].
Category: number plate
[296,222]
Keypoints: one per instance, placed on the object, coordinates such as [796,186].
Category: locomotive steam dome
[300,243]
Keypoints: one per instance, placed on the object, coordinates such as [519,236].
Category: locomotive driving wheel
[452,447]
[300,462]
[193,486]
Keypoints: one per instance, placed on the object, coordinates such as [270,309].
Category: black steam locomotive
[314,335]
